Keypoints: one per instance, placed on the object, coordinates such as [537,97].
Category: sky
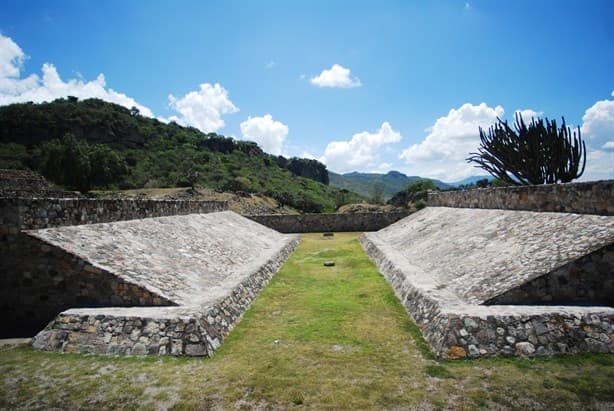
[368,86]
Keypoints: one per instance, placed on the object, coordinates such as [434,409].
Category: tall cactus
[539,153]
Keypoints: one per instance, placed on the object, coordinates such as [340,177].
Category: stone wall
[583,198]
[317,223]
[191,331]
[35,213]
[586,281]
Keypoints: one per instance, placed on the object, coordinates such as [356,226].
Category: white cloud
[307,154]
[598,122]
[528,115]
[384,168]
[337,76]
[598,131]
[268,133]
[271,64]
[449,141]
[612,93]
[203,108]
[14,89]
[599,165]
[360,151]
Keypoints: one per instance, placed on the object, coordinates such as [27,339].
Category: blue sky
[361,86]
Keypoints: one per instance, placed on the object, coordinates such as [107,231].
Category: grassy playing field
[317,337]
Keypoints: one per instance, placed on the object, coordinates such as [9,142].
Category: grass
[316,338]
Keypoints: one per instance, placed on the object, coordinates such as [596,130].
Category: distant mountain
[365,183]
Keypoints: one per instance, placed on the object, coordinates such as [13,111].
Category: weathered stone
[473,350]
[456,352]
[525,348]
[139,349]
[195,350]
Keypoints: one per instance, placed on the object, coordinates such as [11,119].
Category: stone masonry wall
[35,213]
[158,330]
[317,223]
[583,198]
[586,281]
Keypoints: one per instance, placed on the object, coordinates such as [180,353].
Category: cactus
[539,153]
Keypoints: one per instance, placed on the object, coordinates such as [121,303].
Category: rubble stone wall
[586,281]
[593,197]
[34,213]
[318,223]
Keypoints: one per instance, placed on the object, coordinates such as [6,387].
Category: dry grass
[317,338]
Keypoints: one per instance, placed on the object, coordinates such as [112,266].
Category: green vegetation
[78,165]
[415,195]
[319,338]
[539,153]
[112,146]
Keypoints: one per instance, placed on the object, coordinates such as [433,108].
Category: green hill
[109,146]
[366,184]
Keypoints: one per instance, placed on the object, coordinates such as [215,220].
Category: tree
[416,191]
[78,165]
[539,153]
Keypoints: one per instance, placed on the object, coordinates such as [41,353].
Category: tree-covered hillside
[75,143]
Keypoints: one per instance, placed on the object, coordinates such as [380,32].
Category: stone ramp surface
[188,259]
[210,266]
[445,263]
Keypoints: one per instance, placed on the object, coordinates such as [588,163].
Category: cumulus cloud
[336,77]
[449,141]
[528,115]
[268,133]
[360,151]
[598,122]
[15,89]
[598,132]
[203,108]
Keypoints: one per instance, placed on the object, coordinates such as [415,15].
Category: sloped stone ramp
[169,285]
[498,282]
